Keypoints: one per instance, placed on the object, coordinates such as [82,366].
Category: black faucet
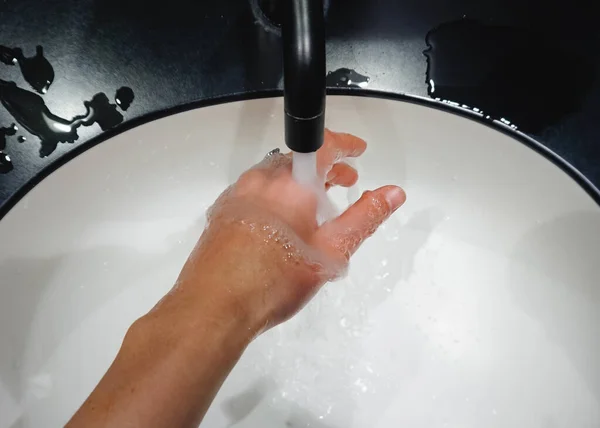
[303,30]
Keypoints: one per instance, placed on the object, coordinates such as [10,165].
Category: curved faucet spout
[303,32]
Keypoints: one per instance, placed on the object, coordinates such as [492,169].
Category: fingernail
[395,197]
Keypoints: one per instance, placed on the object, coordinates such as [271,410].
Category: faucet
[303,31]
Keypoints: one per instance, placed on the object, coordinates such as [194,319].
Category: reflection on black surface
[510,74]
[30,110]
[346,78]
[37,71]
[101,111]
[124,97]
[269,13]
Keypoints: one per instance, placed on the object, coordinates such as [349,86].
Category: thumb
[342,236]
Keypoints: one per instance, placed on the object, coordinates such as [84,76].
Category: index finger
[342,236]
[336,147]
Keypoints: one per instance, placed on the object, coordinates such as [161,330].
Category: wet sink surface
[476,305]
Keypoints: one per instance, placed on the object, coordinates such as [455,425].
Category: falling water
[304,171]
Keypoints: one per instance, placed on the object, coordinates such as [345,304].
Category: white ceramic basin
[477,305]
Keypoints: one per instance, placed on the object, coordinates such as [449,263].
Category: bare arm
[258,262]
[164,377]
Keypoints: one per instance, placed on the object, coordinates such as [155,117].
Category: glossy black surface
[507,73]
[183,53]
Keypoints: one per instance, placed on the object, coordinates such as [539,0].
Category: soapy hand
[262,255]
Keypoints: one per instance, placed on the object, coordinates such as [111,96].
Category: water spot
[347,78]
[6,164]
[21,139]
[36,70]
[361,385]
[7,132]
[30,110]
[124,97]
[516,76]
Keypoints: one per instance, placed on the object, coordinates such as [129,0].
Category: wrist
[191,321]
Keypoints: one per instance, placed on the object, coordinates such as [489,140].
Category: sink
[477,305]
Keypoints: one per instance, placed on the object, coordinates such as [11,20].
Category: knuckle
[250,178]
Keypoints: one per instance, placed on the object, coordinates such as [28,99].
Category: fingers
[341,174]
[342,236]
[338,146]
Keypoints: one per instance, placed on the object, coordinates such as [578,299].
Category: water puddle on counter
[31,112]
[509,74]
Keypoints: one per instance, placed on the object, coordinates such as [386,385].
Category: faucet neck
[303,33]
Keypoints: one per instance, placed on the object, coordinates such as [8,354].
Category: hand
[262,255]
[260,259]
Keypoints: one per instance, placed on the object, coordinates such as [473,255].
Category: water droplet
[474,64]
[21,139]
[382,276]
[347,78]
[124,97]
[6,132]
[361,385]
[36,71]
[6,164]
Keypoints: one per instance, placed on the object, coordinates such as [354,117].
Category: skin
[261,258]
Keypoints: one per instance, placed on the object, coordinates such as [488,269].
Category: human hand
[262,255]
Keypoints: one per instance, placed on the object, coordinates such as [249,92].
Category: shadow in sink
[33,321]
[566,304]
[251,127]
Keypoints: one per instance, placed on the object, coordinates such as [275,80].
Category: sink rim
[495,124]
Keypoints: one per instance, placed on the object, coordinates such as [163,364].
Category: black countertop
[528,68]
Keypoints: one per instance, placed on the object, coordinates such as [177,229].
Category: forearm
[169,368]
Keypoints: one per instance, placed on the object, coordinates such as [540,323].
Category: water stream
[305,172]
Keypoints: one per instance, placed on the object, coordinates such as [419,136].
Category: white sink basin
[477,305]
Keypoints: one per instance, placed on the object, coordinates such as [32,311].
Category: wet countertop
[76,72]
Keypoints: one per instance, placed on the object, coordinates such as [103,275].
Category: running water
[304,171]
